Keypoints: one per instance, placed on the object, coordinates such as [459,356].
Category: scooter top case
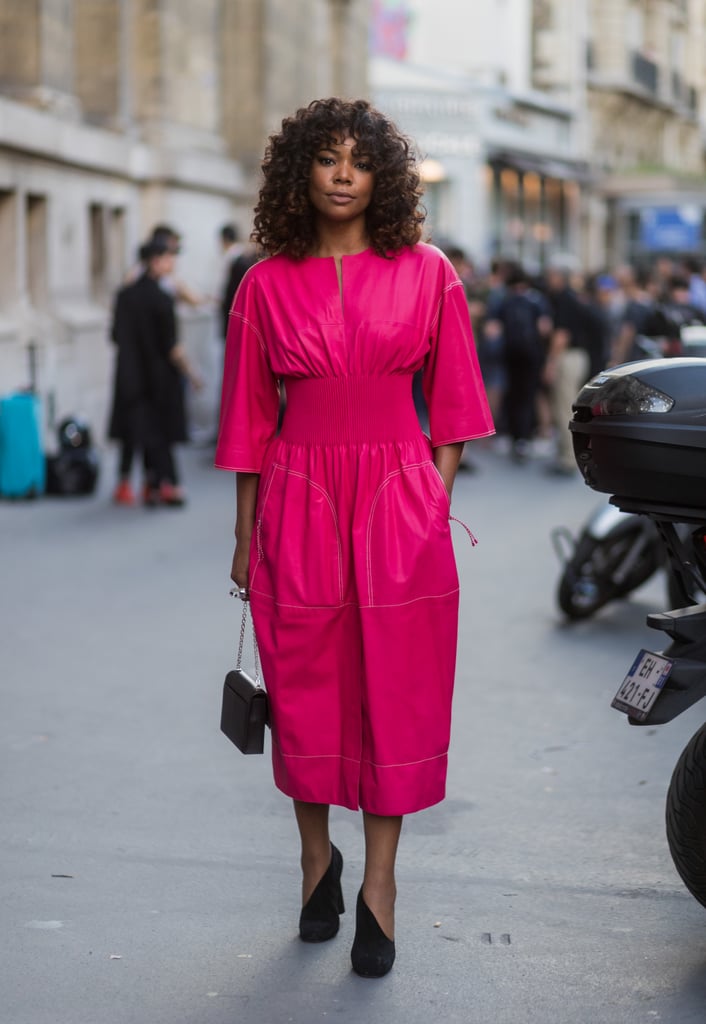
[639,433]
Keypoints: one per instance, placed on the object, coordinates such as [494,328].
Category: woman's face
[341,182]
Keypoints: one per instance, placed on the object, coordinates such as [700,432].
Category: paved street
[149,871]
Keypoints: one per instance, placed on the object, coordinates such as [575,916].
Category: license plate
[642,685]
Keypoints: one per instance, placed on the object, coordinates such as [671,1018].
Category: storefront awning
[547,167]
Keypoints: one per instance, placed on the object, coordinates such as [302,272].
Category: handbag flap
[244,712]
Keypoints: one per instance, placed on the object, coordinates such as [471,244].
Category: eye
[325,161]
[364,165]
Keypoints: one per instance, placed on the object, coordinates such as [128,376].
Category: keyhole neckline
[343,256]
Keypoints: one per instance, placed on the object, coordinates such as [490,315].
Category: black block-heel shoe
[373,954]
[319,919]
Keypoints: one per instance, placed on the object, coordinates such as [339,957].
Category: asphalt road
[149,871]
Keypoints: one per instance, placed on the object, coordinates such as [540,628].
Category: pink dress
[353,580]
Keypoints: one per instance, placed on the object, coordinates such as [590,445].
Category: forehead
[341,143]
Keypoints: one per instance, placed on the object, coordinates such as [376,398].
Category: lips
[341,197]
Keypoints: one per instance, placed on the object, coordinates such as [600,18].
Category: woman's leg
[312,820]
[126,455]
[379,890]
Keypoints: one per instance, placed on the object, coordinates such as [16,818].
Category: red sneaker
[124,494]
[150,496]
[171,495]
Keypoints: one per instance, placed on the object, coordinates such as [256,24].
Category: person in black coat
[148,410]
[237,269]
[522,318]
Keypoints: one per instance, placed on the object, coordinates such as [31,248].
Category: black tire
[587,581]
[686,816]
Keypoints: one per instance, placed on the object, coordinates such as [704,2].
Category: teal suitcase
[22,460]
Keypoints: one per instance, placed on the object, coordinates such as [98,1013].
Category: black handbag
[244,712]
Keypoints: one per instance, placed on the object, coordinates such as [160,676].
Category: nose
[343,174]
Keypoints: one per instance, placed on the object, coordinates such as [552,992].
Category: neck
[341,239]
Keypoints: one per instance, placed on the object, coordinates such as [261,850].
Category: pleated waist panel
[340,410]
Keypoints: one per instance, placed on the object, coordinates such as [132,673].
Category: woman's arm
[446,459]
[246,485]
[179,358]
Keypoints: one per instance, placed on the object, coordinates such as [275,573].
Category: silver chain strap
[241,641]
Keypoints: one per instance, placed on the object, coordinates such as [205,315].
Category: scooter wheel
[588,581]
[581,592]
[686,816]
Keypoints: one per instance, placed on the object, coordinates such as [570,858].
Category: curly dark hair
[284,215]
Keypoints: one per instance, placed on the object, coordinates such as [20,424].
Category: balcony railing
[645,72]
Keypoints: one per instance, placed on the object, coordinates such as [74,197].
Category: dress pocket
[409,550]
[298,542]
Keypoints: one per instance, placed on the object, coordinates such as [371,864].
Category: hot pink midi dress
[353,582]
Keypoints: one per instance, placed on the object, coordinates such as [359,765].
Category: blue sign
[671,228]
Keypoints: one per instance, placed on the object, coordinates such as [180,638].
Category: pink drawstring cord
[474,540]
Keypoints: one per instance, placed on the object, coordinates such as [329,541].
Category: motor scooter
[614,554]
[639,434]
[616,551]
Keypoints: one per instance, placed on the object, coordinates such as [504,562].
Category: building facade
[646,107]
[116,115]
[581,124]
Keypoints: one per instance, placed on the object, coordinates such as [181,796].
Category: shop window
[36,248]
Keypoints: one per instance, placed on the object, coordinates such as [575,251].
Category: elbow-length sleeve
[249,396]
[451,381]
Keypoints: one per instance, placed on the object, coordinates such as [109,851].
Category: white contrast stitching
[454,284]
[293,472]
[368,558]
[457,440]
[405,764]
[252,327]
[339,543]
[258,529]
[424,597]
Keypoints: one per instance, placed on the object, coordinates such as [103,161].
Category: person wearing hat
[148,394]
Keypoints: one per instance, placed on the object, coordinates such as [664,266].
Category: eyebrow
[358,154]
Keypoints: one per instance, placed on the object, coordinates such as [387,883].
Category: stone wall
[119,114]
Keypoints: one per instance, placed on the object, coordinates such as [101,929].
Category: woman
[342,533]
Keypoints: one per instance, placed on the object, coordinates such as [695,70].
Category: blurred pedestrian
[237,269]
[667,319]
[342,533]
[165,234]
[167,237]
[600,320]
[695,269]
[522,318]
[231,247]
[640,297]
[491,343]
[568,364]
[148,395]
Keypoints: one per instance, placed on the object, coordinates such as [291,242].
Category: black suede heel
[319,919]
[373,954]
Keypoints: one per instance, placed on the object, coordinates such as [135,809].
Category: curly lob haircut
[284,216]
